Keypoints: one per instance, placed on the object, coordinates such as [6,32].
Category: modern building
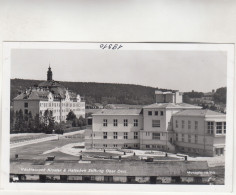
[157,130]
[168,125]
[49,95]
[115,128]
[200,132]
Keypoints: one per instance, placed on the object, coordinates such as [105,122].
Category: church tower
[49,75]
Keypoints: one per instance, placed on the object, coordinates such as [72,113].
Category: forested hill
[104,93]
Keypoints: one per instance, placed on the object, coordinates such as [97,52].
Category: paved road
[54,137]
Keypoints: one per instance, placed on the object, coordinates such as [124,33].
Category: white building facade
[49,95]
[160,126]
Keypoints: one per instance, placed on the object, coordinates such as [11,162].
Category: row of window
[125,122]
[155,146]
[115,135]
[220,126]
[156,113]
[115,145]
[155,123]
[52,104]
[191,138]
[189,124]
[155,136]
[151,134]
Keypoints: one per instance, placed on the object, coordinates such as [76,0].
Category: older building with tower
[50,95]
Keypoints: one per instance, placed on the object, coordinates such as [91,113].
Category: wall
[73,177]
[164,179]
[142,179]
[99,178]
[187,179]
[205,142]
[119,179]
[120,129]
[33,106]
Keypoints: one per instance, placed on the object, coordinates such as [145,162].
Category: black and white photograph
[149,114]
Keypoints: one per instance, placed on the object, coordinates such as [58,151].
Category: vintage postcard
[157,116]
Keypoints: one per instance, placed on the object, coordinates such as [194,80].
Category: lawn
[27,137]
[35,151]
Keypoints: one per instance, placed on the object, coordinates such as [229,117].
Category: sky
[178,70]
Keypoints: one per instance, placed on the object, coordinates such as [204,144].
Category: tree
[220,95]
[71,116]
[81,121]
[12,118]
[186,99]
[48,121]
[37,123]
[19,124]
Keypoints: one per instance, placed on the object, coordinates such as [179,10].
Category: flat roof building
[171,126]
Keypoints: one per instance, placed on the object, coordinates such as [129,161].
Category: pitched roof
[50,84]
[198,113]
[119,112]
[33,95]
[171,105]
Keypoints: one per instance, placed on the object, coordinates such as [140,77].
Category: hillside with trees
[112,93]
[104,93]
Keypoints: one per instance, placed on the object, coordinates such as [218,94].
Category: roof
[50,84]
[33,95]
[171,105]
[112,168]
[41,93]
[198,113]
[118,112]
[163,92]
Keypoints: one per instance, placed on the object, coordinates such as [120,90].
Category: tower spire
[49,74]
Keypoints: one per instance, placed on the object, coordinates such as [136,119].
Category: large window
[183,124]
[189,138]
[182,137]
[189,124]
[176,124]
[156,113]
[162,113]
[224,127]
[26,111]
[135,122]
[135,135]
[156,136]
[149,113]
[219,128]
[115,135]
[26,105]
[115,122]
[210,127]
[104,122]
[125,135]
[196,125]
[125,122]
[104,135]
[156,123]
